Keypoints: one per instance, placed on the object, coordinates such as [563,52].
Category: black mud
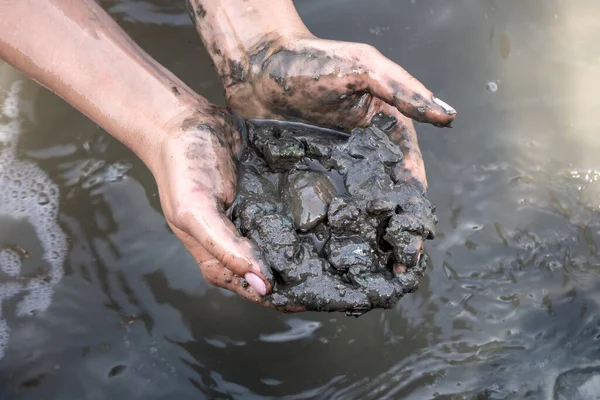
[330,217]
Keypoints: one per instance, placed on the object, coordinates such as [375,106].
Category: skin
[268,67]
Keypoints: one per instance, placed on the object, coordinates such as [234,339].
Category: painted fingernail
[447,108]
[256,283]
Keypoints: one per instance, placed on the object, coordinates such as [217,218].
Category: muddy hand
[196,176]
[327,83]
[272,66]
[401,131]
[342,86]
[411,169]
[275,68]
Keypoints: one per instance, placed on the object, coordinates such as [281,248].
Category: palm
[336,85]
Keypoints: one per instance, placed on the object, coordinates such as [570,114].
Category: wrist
[149,146]
[236,31]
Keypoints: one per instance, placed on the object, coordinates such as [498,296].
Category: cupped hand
[328,83]
[338,85]
[333,84]
[195,170]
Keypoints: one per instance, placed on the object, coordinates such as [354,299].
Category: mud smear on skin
[339,88]
[331,217]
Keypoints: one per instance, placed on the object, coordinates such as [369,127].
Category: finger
[411,255]
[392,84]
[219,276]
[213,271]
[412,168]
[217,235]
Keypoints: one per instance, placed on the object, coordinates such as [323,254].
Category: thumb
[220,238]
[404,135]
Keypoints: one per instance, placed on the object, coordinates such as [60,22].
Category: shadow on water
[510,304]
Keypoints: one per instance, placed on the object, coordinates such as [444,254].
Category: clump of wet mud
[330,215]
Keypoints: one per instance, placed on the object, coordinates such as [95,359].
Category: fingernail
[399,269]
[256,283]
[449,110]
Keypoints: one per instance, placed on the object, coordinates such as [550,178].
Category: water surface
[100,300]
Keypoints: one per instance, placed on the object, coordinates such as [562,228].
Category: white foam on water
[26,192]
[10,107]
[10,262]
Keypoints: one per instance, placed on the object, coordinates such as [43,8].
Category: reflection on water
[510,306]
[28,199]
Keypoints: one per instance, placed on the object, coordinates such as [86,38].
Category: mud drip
[331,217]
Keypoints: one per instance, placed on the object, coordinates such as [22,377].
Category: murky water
[100,300]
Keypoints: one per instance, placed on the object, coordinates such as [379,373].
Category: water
[511,301]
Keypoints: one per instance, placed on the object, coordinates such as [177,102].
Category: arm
[76,50]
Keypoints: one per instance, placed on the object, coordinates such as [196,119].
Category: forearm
[76,50]
[235,30]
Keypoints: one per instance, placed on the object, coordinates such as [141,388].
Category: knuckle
[186,216]
[174,221]
[368,50]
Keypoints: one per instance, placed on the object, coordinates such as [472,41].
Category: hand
[337,85]
[196,175]
[276,68]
